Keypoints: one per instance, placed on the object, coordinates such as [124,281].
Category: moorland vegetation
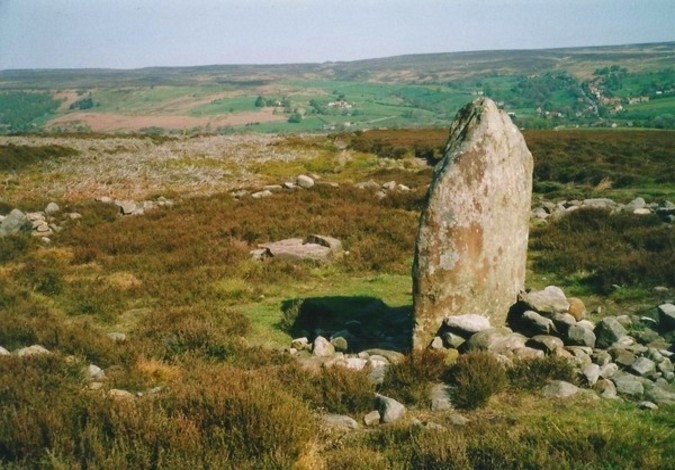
[205,335]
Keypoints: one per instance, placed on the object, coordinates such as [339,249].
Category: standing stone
[471,246]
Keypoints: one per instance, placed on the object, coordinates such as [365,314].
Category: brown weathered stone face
[472,243]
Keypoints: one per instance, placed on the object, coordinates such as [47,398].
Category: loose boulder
[472,242]
[15,222]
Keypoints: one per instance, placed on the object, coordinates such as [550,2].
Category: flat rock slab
[472,242]
[317,248]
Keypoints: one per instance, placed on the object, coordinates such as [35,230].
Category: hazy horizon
[131,34]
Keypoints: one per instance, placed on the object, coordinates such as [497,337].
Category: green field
[541,88]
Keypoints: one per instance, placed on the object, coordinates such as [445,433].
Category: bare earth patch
[68,97]
[110,122]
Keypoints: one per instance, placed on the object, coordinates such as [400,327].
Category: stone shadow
[366,322]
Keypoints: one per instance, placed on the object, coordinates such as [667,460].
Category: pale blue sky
[140,33]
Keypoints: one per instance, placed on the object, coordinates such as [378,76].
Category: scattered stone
[322,347]
[240,194]
[127,207]
[439,396]
[304,181]
[117,337]
[273,187]
[15,222]
[34,350]
[608,332]
[390,410]
[647,405]
[389,185]
[372,418]
[52,208]
[549,301]
[340,343]
[457,419]
[367,185]
[4,352]
[300,343]
[261,194]
[339,422]
[559,389]
[469,256]
[94,373]
[122,395]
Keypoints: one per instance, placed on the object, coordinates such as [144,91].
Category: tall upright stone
[471,246]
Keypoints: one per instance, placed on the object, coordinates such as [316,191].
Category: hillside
[593,86]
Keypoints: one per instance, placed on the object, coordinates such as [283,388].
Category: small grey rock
[647,405]
[627,384]
[605,388]
[52,208]
[372,418]
[322,347]
[341,422]
[666,317]
[300,343]
[439,396]
[608,331]
[608,370]
[390,409]
[550,300]
[643,366]
[546,343]
[577,335]
[559,389]
[591,373]
[466,325]
[34,350]
[304,181]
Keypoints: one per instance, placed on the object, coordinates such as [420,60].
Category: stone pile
[40,224]
[616,357]
[130,207]
[638,206]
[619,355]
[306,182]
